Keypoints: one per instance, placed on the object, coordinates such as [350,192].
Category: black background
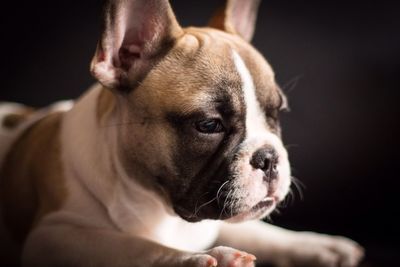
[338,62]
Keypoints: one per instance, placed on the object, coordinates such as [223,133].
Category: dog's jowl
[171,159]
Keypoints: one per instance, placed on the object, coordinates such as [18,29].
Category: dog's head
[197,107]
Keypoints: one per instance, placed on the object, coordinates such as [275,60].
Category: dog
[170,159]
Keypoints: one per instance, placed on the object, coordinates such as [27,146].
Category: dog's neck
[91,155]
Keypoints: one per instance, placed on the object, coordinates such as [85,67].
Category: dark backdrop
[338,62]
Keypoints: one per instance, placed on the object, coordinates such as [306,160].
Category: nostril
[267,165]
[265,159]
[258,161]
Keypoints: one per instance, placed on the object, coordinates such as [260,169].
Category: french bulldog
[171,159]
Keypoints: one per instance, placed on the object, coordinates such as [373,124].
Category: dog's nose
[266,159]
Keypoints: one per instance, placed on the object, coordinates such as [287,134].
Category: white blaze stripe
[255,120]
[258,134]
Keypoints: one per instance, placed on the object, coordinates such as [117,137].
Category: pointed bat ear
[136,34]
[238,17]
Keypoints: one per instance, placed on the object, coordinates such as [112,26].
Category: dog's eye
[209,126]
[273,113]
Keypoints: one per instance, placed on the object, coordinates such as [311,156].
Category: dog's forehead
[201,67]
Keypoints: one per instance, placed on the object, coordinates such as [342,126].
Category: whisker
[219,190]
[268,218]
[201,206]
[233,204]
[225,203]
[196,204]
[299,186]
[288,199]
[290,85]
[289,146]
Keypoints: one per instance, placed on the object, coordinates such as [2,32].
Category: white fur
[257,135]
[256,126]
[62,106]
[177,233]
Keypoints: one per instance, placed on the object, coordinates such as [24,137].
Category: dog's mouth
[266,203]
[261,209]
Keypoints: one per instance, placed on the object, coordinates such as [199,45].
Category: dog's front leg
[285,248]
[69,245]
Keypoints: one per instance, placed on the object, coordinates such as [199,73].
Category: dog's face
[201,118]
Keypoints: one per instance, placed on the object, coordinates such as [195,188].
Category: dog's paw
[229,257]
[316,250]
[222,257]
[200,260]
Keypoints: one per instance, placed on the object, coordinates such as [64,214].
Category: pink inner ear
[135,31]
[127,55]
[240,16]
[131,48]
[243,17]
[135,40]
[101,56]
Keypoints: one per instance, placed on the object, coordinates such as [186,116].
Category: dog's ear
[136,34]
[238,17]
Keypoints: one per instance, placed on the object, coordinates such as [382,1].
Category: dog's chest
[146,216]
[143,213]
[177,233]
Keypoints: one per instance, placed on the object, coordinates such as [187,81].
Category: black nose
[266,159]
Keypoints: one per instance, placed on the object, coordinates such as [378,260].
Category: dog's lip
[262,207]
[266,203]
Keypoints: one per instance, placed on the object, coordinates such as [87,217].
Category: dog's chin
[258,211]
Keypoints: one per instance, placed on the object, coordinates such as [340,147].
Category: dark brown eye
[272,113]
[209,126]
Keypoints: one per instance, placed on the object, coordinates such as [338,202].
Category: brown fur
[201,78]
[11,121]
[106,104]
[204,53]
[28,189]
